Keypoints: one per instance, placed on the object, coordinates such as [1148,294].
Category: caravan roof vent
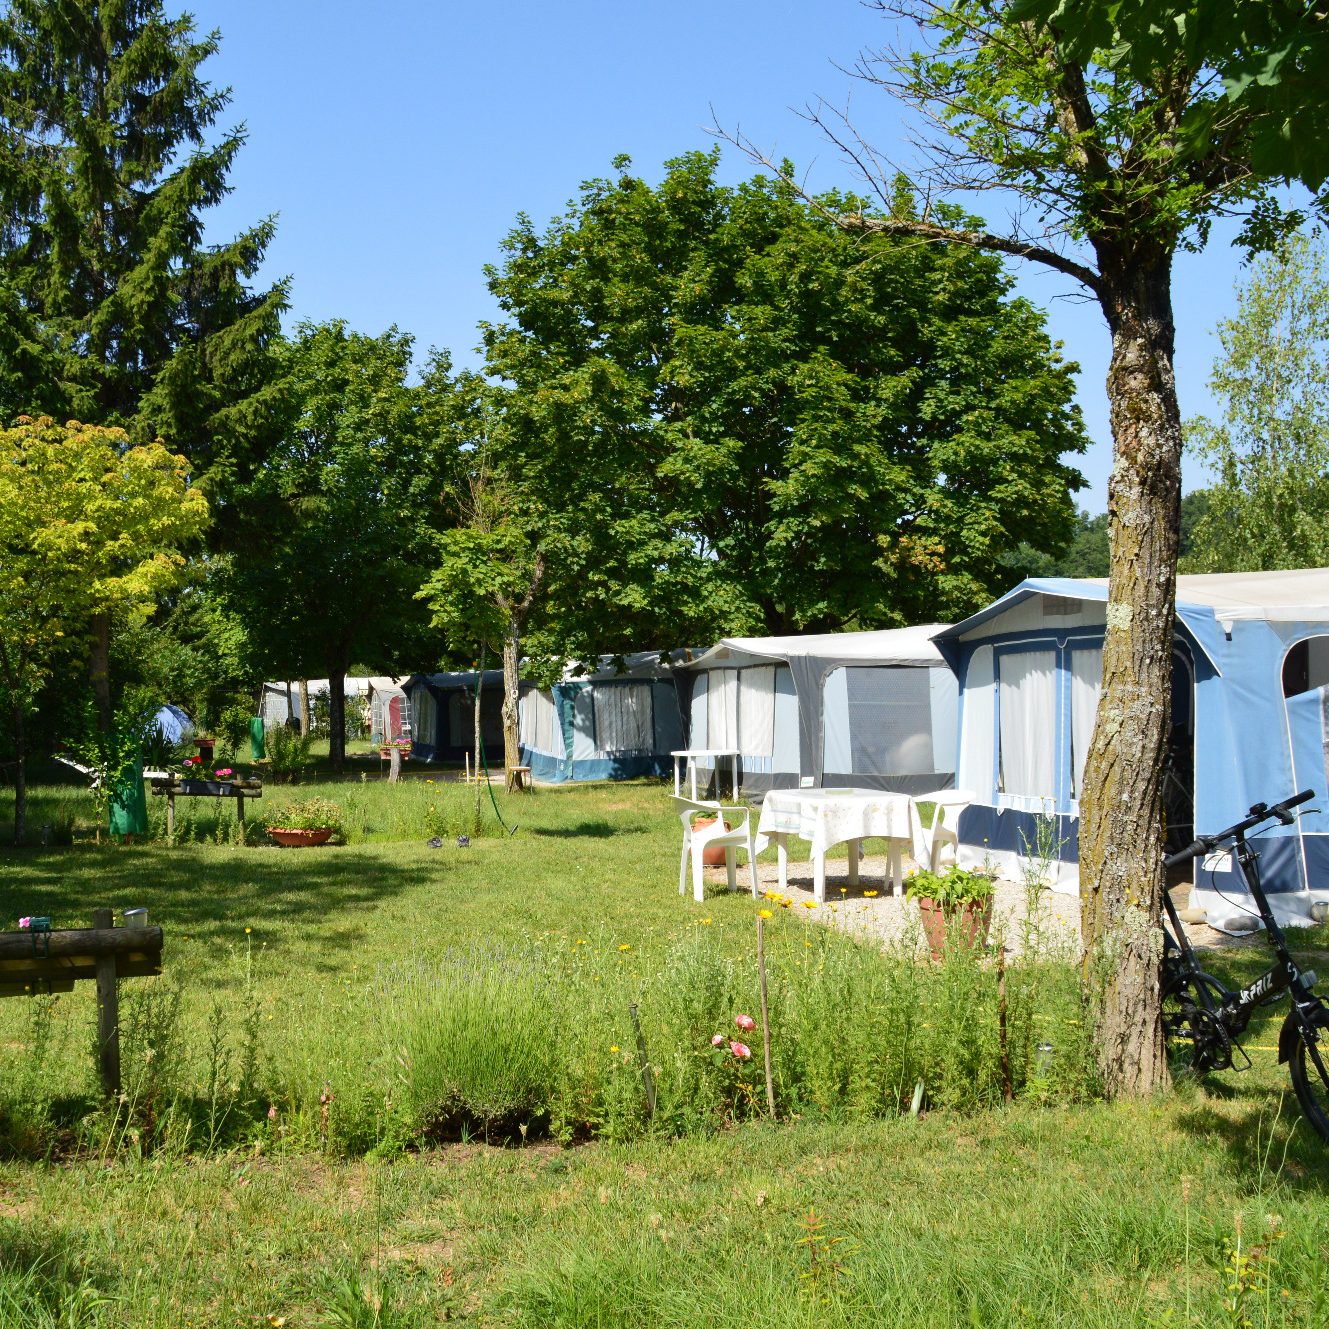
[1057,606]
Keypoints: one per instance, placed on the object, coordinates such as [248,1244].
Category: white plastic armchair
[736,835]
[940,829]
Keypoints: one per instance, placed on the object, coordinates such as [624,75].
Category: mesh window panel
[623,717]
[890,721]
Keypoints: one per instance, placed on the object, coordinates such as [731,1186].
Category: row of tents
[1001,705]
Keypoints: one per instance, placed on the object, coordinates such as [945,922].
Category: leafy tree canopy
[331,534]
[111,306]
[737,417]
[88,525]
[1270,447]
[1272,57]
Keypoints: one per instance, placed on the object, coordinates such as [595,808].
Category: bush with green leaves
[289,753]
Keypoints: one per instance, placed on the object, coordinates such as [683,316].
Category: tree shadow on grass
[592,830]
[1268,1141]
[270,890]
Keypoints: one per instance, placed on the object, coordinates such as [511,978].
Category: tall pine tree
[113,310]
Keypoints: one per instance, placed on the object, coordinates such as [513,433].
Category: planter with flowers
[198,778]
[954,905]
[311,821]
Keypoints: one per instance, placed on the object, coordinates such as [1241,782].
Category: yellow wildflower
[871,895]
[764,913]
[625,947]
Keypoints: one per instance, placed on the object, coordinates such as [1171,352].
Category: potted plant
[310,821]
[957,902]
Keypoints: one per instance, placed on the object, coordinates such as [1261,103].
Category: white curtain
[623,717]
[1027,696]
[756,710]
[697,715]
[540,730]
[1086,679]
[980,704]
[722,710]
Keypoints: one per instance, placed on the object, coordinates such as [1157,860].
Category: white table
[694,755]
[827,817]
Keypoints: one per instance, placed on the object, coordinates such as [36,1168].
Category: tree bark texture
[306,720]
[20,775]
[511,695]
[99,669]
[1121,821]
[337,714]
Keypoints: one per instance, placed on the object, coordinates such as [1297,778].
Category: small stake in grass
[647,1074]
[765,1014]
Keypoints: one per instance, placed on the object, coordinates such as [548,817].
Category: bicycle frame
[1234,1011]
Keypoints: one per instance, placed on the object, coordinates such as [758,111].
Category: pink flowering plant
[733,1059]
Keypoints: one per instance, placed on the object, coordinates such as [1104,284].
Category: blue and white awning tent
[616,720]
[1250,723]
[861,709]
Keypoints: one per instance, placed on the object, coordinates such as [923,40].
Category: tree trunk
[99,669]
[337,715]
[511,694]
[306,720]
[1121,822]
[20,775]
[479,688]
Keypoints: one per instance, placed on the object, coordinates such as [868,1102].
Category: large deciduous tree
[114,308]
[488,573]
[737,417]
[1269,450]
[88,525]
[332,533]
[1111,168]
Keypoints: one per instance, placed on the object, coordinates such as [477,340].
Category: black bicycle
[1202,1019]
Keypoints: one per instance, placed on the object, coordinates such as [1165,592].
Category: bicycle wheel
[1310,1073]
[1196,1040]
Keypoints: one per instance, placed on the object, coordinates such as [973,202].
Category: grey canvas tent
[863,709]
[442,712]
[617,721]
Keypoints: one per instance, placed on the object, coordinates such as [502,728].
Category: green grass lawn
[431,996]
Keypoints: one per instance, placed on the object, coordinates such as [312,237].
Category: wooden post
[170,818]
[765,1014]
[108,1012]
[240,811]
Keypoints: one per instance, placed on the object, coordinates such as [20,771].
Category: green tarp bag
[257,748]
[128,809]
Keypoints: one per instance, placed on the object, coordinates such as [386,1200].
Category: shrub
[288,753]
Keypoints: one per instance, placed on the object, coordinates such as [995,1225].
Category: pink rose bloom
[224,772]
[27,923]
[740,1050]
[717,1040]
[745,1022]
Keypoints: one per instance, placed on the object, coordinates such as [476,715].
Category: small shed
[1250,722]
[862,709]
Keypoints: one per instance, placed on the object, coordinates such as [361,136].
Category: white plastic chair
[932,837]
[697,839]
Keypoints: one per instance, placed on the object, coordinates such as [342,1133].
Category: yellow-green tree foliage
[88,524]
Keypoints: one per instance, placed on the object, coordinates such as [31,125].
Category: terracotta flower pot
[714,856]
[970,922]
[296,839]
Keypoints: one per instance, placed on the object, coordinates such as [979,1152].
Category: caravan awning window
[1027,724]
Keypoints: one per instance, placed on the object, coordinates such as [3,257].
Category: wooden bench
[519,777]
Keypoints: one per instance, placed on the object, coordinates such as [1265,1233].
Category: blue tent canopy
[1250,669]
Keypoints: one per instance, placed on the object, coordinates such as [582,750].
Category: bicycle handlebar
[1260,812]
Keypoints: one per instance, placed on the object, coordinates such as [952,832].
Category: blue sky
[398,142]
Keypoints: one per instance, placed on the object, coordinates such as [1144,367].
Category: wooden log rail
[38,961]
